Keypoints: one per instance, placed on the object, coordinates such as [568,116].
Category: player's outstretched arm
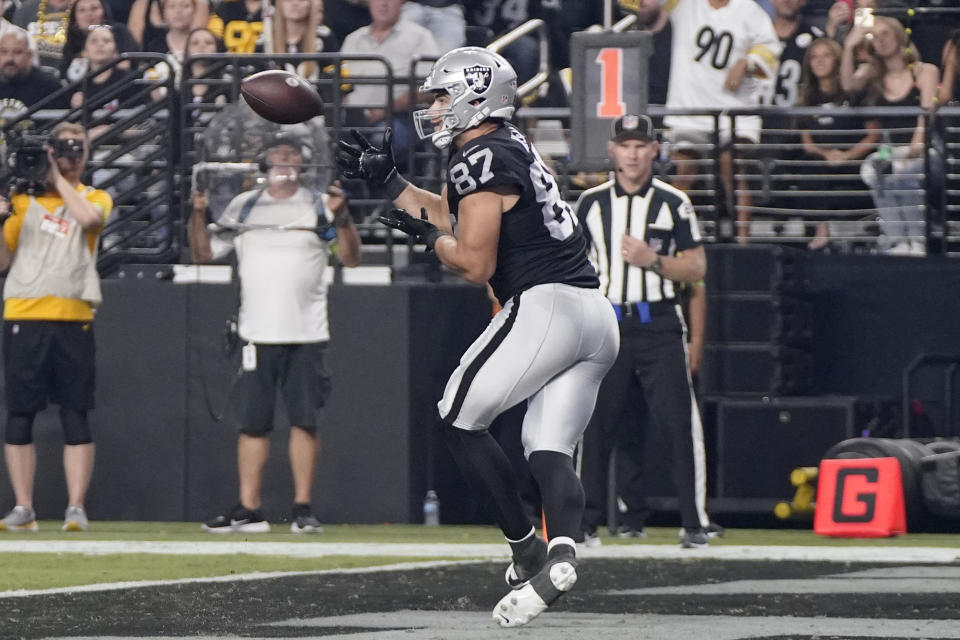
[360,160]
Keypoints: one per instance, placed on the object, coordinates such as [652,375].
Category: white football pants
[551,345]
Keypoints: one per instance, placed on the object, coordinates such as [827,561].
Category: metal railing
[132,154]
[783,193]
[146,155]
[539,81]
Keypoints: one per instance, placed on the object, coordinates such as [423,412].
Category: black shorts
[46,361]
[300,371]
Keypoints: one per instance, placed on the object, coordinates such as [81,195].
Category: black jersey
[540,238]
[502,15]
[791,63]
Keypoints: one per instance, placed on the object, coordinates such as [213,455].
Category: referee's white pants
[551,345]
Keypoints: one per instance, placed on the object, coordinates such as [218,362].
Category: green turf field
[54,570]
[37,569]
[452,534]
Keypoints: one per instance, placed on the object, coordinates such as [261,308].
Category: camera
[27,162]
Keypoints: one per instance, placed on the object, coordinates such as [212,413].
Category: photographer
[51,291]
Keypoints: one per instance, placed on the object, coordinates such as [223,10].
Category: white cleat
[522,605]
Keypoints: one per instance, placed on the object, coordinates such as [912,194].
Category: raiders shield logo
[478,77]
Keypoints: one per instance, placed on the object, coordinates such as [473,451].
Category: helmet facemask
[480,85]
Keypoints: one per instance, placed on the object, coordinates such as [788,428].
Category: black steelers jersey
[791,63]
[540,238]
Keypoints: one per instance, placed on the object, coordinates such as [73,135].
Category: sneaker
[306,524]
[19,519]
[240,520]
[75,519]
[555,578]
[631,532]
[591,539]
[694,539]
[713,530]
[529,556]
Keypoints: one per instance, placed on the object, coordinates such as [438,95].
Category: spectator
[949,92]
[283,321]
[50,295]
[24,84]
[835,142]
[201,42]
[205,78]
[443,18]
[399,41]
[640,258]
[120,10]
[46,22]
[651,18]
[83,15]
[295,31]
[722,50]
[894,77]
[781,143]
[100,49]
[179,18]
[6,25]
[239,23]
[327,40]
[146,21]
[346,16]
[841,15]
[796,34]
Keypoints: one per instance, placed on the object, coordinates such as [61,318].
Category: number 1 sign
[609,80]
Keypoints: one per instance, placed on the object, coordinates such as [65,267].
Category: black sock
[560,492]
[488,470]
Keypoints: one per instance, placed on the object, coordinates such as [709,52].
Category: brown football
[281,96]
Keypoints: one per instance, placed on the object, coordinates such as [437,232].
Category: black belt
[644,310]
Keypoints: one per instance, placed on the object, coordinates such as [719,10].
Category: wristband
[394,184]
[341,221]
[430,237]
[657,265]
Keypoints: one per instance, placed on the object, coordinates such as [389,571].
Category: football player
[724,56]
[556,335]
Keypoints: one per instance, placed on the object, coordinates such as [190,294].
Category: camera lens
[67,148]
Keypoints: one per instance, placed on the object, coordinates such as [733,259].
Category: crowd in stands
[823,53]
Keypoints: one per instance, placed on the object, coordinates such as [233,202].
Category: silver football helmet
[481,85]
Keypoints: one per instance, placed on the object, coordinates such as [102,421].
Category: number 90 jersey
[540,238]
[707,42]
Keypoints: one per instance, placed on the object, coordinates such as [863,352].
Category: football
[281,96]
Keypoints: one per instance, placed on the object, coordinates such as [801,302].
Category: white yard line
[497,552]
[865,553]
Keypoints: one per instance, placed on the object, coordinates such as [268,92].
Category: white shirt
[283,284]
[405,40]
[707,42]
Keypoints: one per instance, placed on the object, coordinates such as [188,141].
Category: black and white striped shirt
[657,213]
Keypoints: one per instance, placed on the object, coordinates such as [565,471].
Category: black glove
[363,161]
[421,230]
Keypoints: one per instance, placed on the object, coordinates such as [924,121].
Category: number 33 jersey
[540,239]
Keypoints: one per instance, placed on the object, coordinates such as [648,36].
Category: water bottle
[431,509]
[883,163]
[885,151]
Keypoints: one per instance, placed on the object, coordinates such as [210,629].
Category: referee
[644,237]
